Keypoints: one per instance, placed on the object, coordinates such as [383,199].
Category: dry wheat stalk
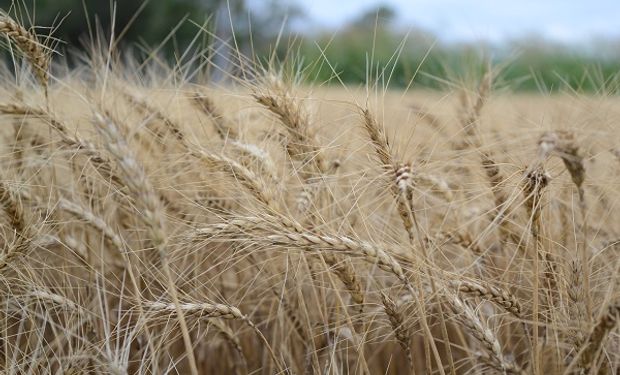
[346,244]
[472,112]
[163,311]
[341,267]
[13,208]
[404,198]
[534,183]
[134,176]
[301,145]
[57,299]
[563,144]
[21,248]
[590,352]
[496,178]
[199,310]
[463,240]
[402,190]
[22,109]
[491,169]
[24,236]
[378,139]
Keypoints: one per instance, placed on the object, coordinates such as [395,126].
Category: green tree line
[368,48]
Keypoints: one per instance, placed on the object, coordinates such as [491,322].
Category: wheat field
[152,224]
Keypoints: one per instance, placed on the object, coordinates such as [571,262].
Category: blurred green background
[413,58]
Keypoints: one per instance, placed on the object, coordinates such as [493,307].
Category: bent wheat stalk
[163,310]
[152,215]
[482,333]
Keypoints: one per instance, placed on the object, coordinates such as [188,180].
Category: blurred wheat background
[183,210]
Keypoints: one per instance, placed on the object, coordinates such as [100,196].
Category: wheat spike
[29,45]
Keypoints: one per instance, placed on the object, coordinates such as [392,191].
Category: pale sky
[465,20]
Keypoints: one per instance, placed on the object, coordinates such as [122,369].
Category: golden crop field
[153,225]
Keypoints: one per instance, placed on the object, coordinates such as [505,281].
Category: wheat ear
[70,141]
[232,340]
[13,209]
[30,46]
[401,331]
[93,220]
[534,184]
[401,187]
[482,333]
[204,104]
[576,310]
[500,297]
[143,106]
[251,155]
[253,183]
[286,232]
[301,145]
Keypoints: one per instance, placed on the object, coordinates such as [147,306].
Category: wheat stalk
[589,353]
